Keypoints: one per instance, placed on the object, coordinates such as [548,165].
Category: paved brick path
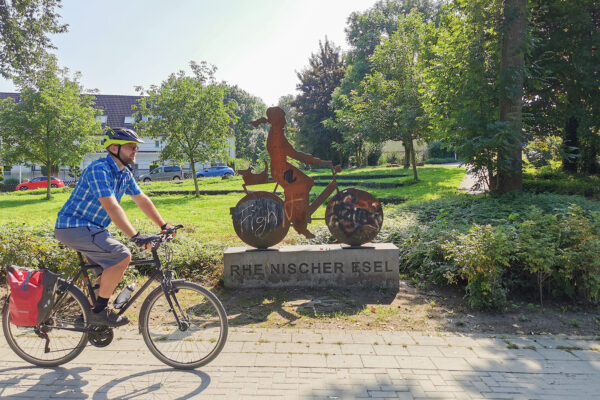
[311,364]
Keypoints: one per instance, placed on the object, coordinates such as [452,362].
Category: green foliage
[317,82]
[249,141]
[1,174]
[496,246]
[11,182]
[25,26]
[74,171]
[562,90]
[480,257]
[437,149]
[549,179]
[33,247]
[387,104]
[373,154]
[461,77]
[440,160]
[191,111]
[541,151]
[154,165]
[53,124]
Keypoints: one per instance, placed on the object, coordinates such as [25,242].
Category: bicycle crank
[100,336]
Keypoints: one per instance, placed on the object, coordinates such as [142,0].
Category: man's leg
[111,278]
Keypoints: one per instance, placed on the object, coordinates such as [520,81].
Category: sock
[101,304]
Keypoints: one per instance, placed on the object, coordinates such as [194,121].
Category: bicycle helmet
[120,136]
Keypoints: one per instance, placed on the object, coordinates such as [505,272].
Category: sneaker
[107,317]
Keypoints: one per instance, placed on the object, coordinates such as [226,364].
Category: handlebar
[164,236]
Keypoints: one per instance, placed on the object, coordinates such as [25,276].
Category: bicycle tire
[29,345]
[191,348]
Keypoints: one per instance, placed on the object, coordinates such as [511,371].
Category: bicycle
[183,324]
[353,216]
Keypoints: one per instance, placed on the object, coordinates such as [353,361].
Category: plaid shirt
[102,178]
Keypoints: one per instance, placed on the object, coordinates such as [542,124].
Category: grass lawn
[207,216]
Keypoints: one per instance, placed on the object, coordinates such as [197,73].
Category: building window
[102,118]
[129,120]
[157,143]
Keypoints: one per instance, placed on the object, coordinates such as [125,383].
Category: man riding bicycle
[93,204]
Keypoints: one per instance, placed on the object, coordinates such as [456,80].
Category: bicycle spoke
[63,344]
[198,338]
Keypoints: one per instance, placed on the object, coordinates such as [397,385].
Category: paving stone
[270,363]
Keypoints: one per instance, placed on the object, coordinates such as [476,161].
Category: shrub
[393,158]
[548,179]
[440,160]
[35,247]
[481,256]
[437,150]
[373,154]
[154,165]
[534,245]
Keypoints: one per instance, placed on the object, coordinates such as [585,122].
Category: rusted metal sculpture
[262,219]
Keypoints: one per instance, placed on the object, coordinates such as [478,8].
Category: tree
[561,92]
[388,103]
[286,103]
[510,173]
[53,124]
[364,32]
[317,83]
[461,84]
[249,142]
[24,29]
[192,113]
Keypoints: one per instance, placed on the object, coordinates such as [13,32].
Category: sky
[255,44]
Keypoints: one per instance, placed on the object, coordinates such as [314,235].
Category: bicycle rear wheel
[50,344]
[201,333]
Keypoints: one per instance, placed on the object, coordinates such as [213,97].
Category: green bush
[481,256]
[548,179]
[535,245]
[437,150]
[440,160]
[11,182]
[35,247]
[373,154]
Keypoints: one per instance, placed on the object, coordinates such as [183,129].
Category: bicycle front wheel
[199,335]
[54,342]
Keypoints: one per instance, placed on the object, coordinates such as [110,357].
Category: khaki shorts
[95,244]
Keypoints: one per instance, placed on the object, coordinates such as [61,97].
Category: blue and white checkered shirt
[102,178]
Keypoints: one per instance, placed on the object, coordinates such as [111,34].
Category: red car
[39,183]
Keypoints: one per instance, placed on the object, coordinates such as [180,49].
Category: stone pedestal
[371,265]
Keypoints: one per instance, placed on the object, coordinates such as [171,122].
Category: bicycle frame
[158,275]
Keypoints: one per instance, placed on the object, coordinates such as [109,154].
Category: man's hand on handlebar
[143,241]
[170,229]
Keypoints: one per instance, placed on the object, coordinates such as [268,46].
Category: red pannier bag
[31,294]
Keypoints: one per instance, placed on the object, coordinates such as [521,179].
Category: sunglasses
[131,146]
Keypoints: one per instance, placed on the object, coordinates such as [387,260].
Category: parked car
[222,170]
[165,173]
[40,182]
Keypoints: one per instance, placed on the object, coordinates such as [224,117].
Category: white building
[117,112]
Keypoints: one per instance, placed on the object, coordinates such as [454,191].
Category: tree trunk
[510,177]
[406,145]
[570,145]
[193,164]
[49,182]
[413,159]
